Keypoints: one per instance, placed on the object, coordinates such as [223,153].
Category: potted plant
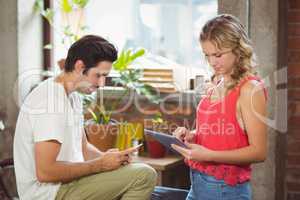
[155,148]
[101,130]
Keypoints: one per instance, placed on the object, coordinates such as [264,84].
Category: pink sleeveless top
[218,129]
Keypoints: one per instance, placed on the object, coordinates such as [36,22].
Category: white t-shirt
[46,114]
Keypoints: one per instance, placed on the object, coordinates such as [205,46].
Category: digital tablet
[165,139]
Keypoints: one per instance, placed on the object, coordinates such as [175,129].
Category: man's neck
[68,81]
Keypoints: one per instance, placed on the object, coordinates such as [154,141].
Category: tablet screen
[165,139]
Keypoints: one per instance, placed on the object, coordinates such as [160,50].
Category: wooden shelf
[160,163]
[161,79]
[171,170]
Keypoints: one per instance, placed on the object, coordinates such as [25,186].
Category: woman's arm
[253,109]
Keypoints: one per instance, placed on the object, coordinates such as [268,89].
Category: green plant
[157,119]
[129,78]
[98,113]
[71,31]
[158,123]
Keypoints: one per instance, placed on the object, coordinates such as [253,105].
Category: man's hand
[48,169]
[184,134]
[113,159]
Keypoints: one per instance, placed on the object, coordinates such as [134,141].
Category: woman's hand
[183,134]
[194,152]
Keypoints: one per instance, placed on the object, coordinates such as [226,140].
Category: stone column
[20,58]
[265,36]
[261,17]
[238,8]
[9,72]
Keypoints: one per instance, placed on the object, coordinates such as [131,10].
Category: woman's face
[221,60]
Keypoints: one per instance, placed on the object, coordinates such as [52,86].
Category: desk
[171,170]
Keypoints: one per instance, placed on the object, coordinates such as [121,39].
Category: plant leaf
[137,54]
[119,63]
[38,6]
[66,6]
[83,28]
[95,118]
[67,31]
[106,117]
[127,59]
[48,46]
[48,15]
[81,3]
[76,37]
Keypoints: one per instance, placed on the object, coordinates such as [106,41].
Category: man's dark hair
[91,49]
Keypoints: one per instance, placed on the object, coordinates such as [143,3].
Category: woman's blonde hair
[226,31]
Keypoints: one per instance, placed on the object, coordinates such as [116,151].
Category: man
[53,159]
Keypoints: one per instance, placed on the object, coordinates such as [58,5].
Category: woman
[230,134]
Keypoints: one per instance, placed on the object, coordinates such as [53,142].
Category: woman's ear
[79,66]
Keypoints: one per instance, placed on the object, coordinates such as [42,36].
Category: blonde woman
[229,135]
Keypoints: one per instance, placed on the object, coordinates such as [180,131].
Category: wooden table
[171,170]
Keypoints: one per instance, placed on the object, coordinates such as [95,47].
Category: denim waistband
[208,187]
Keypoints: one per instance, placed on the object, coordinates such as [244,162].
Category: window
[168,29]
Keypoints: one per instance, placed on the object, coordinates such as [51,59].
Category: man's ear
[79,66]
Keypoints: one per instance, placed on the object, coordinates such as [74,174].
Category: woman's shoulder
[252,86]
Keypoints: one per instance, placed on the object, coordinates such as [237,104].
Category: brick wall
[293,138]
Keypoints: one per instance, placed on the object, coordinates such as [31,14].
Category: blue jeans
[204,187]
[167,193]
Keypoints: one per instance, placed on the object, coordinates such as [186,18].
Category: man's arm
[89,151]
[48,169]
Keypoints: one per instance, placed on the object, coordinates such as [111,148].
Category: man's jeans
[135,181]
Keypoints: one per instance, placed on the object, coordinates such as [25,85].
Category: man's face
[94,78]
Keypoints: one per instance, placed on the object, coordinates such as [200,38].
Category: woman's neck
[224,79]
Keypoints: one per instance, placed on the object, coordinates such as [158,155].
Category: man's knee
[151,175]
[146,174]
